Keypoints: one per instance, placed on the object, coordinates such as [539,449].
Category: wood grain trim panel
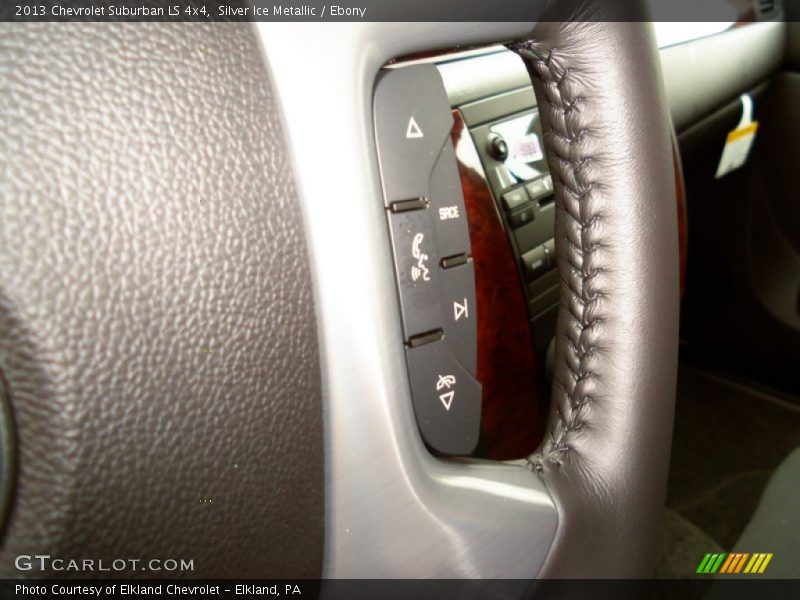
[510,422]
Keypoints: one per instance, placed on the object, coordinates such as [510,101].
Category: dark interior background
[741,313]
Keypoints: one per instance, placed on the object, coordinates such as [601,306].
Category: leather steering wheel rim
[607,137]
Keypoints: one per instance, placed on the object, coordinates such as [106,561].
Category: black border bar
[206,11]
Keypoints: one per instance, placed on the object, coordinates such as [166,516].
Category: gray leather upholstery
[607,137]
[157,331]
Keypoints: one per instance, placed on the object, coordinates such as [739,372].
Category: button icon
[447,399]
[420,270]
[445,381]
[414,131]
[461,310]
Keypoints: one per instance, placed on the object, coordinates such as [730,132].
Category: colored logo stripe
[758,563]
[734,563]
[727,564]
[711,563]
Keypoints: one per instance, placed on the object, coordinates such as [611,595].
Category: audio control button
[460,314]
[412,123]
[521,217]
[538,188]
[536,263]
[447,203]
[515,199]
[447,399]
[417,268]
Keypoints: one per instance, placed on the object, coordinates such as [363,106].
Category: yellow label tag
[737,148]
[741,132]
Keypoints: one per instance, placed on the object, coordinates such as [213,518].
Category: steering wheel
[200,346]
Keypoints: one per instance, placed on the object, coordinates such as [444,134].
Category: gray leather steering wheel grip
[157,332]
[607,138]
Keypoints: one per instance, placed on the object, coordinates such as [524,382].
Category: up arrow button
[412,124]
[413,132]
